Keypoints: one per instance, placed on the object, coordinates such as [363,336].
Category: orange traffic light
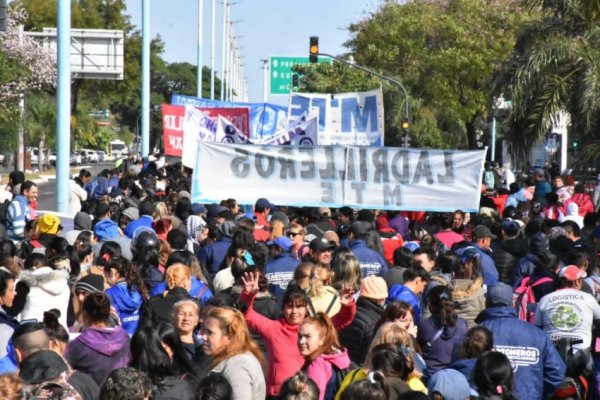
[314,49]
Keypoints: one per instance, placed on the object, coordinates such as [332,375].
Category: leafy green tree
[446,53]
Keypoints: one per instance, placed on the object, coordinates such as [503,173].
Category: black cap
[482,231]
[538,242]
[321,244]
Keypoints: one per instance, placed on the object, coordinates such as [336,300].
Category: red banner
[172,117]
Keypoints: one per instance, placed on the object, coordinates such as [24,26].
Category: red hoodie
[584,202]
[281,339]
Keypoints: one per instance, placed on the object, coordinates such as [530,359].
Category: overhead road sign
[281,74]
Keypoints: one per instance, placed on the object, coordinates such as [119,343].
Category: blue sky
[269,28]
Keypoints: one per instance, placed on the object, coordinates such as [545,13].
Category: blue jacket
[279,271]
[17,214]
[437,353]
[199,290]
[524,267]
[402,293]
[488,266]
[371,262]
[212,255]
[152,277]
[106,229]
[128,304]
[144,220]
[7,365]
[465,367]
[539,370]
[542,188]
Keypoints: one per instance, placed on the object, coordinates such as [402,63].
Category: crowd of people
[152,296]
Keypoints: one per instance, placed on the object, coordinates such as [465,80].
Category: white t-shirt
[568,313]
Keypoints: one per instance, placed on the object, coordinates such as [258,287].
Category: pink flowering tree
[24,64]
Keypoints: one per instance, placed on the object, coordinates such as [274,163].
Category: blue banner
[266,119]
[346,119]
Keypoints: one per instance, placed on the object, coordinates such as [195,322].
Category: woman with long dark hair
[145,247]
[439,334]
[127,291]
[493,377]
[469,292]
[157,350]
[235,355]
[390,360]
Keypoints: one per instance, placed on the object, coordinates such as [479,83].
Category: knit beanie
[374,287]
[91,283]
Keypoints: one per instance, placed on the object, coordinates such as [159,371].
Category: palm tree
[554,66]
[40,122]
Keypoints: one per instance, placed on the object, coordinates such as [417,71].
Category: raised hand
[412,329]
[250,281]
[346,295]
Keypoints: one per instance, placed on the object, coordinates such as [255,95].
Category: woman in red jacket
[281,336]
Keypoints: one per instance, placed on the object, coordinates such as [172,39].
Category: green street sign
[280,72]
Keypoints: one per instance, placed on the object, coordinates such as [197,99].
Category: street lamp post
[377,74]
[199,55]
[212,50]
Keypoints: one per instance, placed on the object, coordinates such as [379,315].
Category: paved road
[47,190]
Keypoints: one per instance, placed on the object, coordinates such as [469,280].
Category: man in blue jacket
[145,219]
[415,281]
[212,255]
[539,370]
[482,240]
[280,270]
[17,213]
[371,262]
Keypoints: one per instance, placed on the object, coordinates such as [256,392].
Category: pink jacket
[320,370]
[281,339]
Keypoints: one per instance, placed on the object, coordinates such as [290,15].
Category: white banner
[346,119]
[300,132]
[199,127]
[365,177]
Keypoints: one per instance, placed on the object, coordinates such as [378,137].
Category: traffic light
[575,144]
[405,125]
[314,49]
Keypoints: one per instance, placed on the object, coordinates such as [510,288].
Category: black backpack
[337,377]
[56,389]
